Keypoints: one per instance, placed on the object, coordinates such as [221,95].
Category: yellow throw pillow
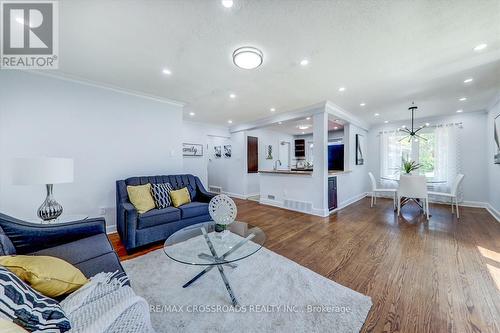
[180,197]
[9,327]
[49,275]
[140,196]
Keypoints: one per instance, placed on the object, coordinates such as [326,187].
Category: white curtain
[446,158]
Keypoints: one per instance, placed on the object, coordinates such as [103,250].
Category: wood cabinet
[252,154]
[300,148]
[332,193]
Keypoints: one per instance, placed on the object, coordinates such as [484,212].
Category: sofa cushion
[140,196]
[161,195]
[158,216]
[194,209]
[28,308]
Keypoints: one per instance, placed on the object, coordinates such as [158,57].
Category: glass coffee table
[201,245]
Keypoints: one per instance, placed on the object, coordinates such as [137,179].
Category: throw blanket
[107,305]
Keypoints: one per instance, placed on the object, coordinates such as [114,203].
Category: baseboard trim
[235,195]
[111,229]
[495,213]
[350,201]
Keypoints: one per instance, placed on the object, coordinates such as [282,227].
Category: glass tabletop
[200,244]
[429,179]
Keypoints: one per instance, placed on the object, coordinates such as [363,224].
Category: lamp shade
[48,170]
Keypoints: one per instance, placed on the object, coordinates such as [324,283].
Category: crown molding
[78,80]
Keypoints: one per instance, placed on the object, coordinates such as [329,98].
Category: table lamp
[47,171]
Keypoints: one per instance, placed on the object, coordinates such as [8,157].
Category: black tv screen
[336,157]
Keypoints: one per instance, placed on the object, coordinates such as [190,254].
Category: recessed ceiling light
[227,3]
[191,114]
[377,114]
[362,104]
[303,132]
[480,47]
[460,111]
[386,121]
[233,96]
[469,80]
[272,109]
[166,71]
[308,118]
[341,89]
[248,57]
[404,126]
[304,62]
[303,127]
[279,123]
[462,99]
[229,121]
[335,128]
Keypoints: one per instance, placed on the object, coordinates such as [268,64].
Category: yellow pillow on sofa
[49,275]
[140,196]
[180,197]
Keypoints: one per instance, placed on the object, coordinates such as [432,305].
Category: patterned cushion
[27,308]
[6,246]
[161,194]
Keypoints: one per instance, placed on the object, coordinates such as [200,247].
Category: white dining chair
[413,187]
[376,190]
[453,195]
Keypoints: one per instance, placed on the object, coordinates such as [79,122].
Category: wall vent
[215,189]
[301,206]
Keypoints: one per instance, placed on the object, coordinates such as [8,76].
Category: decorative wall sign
[192,149]
[496,137]
[269,152]
[227,151]
[360,149]
[217,151]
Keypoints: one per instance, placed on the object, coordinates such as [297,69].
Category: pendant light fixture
[412,133]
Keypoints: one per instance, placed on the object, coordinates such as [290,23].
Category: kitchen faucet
[276,164]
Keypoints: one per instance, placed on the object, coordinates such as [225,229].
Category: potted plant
[409,166]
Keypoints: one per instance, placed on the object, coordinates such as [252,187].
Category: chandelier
[412,133]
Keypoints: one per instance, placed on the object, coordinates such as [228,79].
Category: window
[436,153]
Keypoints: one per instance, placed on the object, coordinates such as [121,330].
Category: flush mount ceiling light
[248,57]
[227,3]
[480,47]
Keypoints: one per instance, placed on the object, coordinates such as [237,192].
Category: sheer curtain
[439,153]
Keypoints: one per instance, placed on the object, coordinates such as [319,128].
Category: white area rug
[275,294]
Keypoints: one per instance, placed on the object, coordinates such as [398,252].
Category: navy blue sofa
[137,230]
[83,244]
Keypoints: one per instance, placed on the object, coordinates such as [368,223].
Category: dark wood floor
[436,276]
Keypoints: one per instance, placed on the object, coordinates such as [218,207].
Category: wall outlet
[271,197]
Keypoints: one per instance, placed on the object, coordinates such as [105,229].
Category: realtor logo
[29,35]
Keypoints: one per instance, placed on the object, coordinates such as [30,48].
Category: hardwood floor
[436,276]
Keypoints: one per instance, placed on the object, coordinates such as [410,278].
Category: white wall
[352,185]
[111,135]
[473,140]
[493,169]
[199,133]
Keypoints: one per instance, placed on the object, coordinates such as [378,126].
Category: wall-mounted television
[336,157]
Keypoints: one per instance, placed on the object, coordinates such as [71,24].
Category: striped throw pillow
[27,308]
[161,194]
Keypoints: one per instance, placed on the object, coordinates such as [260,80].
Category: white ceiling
[297,127]
[385,53]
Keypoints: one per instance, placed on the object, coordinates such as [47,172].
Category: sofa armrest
[202,194]
[128,219]
[29,237]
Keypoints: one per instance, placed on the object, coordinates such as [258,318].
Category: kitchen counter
[337,172]
[287,172]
